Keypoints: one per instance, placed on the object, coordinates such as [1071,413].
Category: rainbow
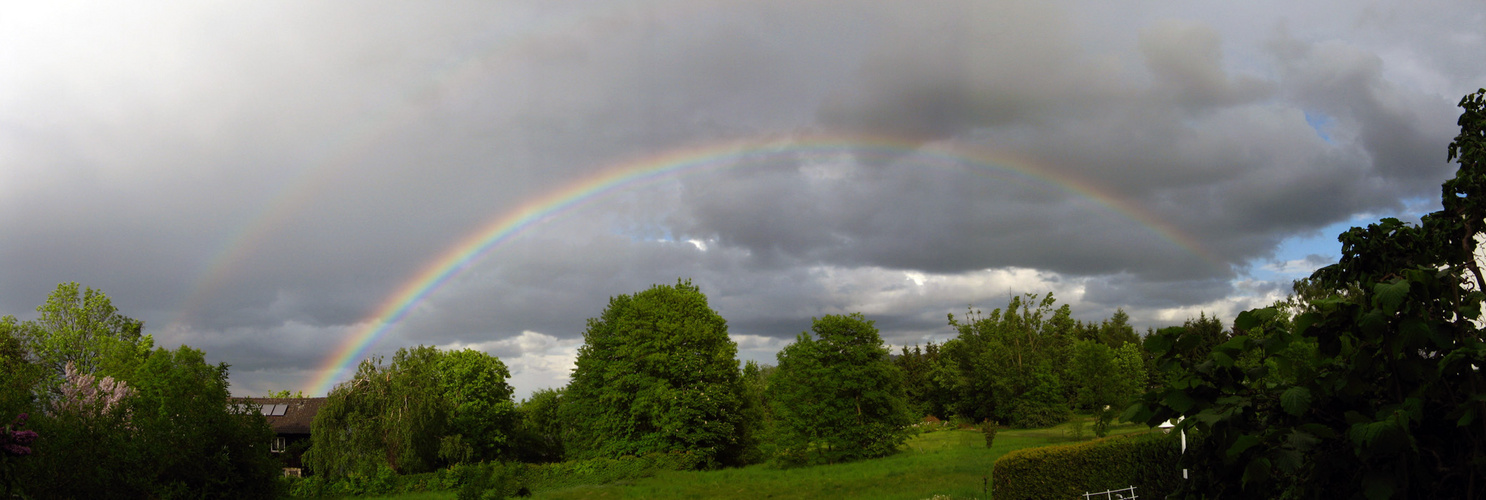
[646,170]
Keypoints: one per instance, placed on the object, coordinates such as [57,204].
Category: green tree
[1391,401]
[657,373]
[1005,362]
[482,417]
[1116,331]
[193,441]
[837,395]
[757,440]
[170,432]
[928,379]
[85,329]
[139,423]
[16,369]
[540,430]
[385,416]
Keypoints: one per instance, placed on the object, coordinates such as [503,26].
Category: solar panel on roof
[278,410]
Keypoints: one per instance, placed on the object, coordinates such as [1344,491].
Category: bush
[491,481]
[1075,430]
[1146,461]
[988,428]
[606,470]
[494,479]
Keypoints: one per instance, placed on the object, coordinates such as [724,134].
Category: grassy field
[950,464]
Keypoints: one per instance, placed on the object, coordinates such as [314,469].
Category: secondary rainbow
[350,146]
[673,163]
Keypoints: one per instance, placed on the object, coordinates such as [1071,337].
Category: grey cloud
[138,153]
[1186,60]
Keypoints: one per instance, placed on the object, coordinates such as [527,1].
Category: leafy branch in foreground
[1374,389]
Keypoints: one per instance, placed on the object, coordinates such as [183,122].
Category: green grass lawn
[948,464]
[942,464]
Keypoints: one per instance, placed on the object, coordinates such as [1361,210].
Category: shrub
[1146,461]
[605,470]
[988,428]
[1075,430]
[490,481]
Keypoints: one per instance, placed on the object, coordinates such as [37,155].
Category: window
[278,445]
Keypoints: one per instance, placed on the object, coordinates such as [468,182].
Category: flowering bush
[86,392]
[13,443]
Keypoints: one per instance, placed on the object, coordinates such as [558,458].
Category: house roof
[293,417]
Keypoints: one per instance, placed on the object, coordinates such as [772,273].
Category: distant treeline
[658,374]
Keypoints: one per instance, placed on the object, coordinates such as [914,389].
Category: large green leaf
[1296,400]
[1242,444]
[1390,296]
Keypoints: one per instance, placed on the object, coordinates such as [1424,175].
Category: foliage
[837,396]
[988,429]
[473,385]
[1390,402]
[1148,462]
[142,422]
[82,392]
[540,431]
[1004,362]
[424,409]
[1107,379]
[85,329]
[928,379]
[490,480]
[657,373]
[172,434]
[19,374]
[14,443]
[760,425]
[191,440]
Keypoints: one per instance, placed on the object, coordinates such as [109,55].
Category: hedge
[1146,461]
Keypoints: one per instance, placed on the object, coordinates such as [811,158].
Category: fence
[1120,494]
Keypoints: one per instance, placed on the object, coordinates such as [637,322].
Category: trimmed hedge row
[1146,461]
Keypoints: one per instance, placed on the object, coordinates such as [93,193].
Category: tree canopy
[425,409]
[837,396]
[143,422]
[1384,398]
[657,373]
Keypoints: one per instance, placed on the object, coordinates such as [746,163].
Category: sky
[293,187]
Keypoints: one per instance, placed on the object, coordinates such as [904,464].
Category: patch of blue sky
[644,232]
[1320,122]
[1300,255]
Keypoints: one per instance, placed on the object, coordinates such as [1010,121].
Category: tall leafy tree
[657,373]
[838,397]
[539,435]
[759,423]
[1390,403]
[84,328]
[393,416]
[928,379]
[140,423]
[1006,362]
[482,417]
[16,369]
[185,427]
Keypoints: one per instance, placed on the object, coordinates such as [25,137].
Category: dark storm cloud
[272,173]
